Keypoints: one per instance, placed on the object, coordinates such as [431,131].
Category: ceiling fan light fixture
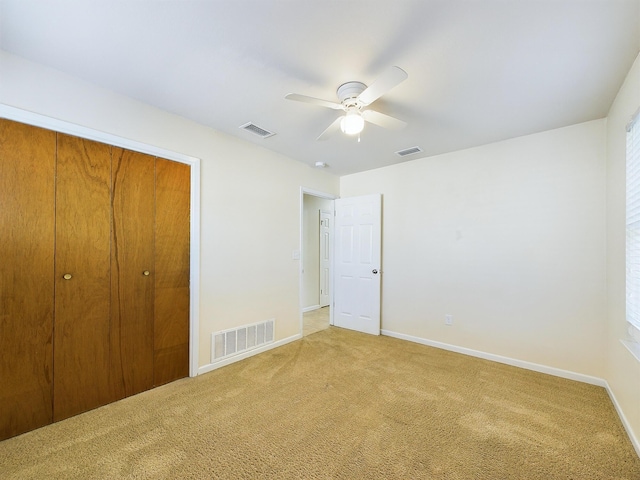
[354,97]
[352,123]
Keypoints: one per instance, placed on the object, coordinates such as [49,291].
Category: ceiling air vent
[256,130]
[408,151]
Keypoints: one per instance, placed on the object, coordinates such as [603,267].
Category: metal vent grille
[408,151]
[248,337]
[256,130]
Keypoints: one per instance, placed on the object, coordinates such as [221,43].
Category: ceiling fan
[354,98]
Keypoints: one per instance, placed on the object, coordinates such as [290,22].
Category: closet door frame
[37,120]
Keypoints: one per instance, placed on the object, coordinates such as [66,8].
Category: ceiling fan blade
[383,120]
[313,101]
[392,77]
[331,129]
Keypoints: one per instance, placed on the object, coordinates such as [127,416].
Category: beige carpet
[338,404]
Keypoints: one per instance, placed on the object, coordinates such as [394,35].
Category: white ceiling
[479,70]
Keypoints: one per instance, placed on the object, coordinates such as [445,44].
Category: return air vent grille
[408,151]
[238,340]
[256,130]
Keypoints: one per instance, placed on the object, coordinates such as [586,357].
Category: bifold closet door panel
[132,271]
[27,173]
[171,329]
[82,366]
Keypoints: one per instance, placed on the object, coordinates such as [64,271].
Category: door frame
[38,120]
[329,196]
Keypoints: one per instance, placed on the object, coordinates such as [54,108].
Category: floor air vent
[256,130]
[238,340]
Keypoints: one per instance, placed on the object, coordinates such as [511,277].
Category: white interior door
[357,263]
[325,258]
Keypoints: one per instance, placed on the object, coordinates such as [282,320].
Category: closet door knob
[146,273]
[67,276]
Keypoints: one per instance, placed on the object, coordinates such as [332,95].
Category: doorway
[316,251]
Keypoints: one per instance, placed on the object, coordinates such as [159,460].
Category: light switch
[295,255]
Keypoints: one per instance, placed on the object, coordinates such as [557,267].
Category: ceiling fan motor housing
[348,93]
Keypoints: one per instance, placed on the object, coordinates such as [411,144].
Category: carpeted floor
[339,404]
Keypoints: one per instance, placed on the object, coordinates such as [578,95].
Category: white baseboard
[311,308]
[246,354]
[634,440]
[557,372]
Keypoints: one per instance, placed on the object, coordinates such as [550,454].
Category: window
[633,222]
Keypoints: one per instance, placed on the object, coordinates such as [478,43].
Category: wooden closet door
[173,193]
[132,271]
[82,277]
[27,173]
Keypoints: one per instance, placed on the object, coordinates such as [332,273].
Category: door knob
[374,271]
[146,273]
[67,276]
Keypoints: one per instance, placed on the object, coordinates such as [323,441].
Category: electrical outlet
[448,319]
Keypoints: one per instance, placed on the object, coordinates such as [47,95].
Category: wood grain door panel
[82,376]
[171,329]
[132,299]
[27,173]
[81,324]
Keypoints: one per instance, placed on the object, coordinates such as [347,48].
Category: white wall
[623,370]
[250,218]
[509,238]
[311,248]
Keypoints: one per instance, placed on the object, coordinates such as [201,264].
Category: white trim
[37,120]
[633,347]
[627,426]
[194,271]
[557,372]
[61,126]
[250,353]
[634,119]
[317,193]
[311,308]
[329,196]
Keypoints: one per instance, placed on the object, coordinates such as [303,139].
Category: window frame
[632,225]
